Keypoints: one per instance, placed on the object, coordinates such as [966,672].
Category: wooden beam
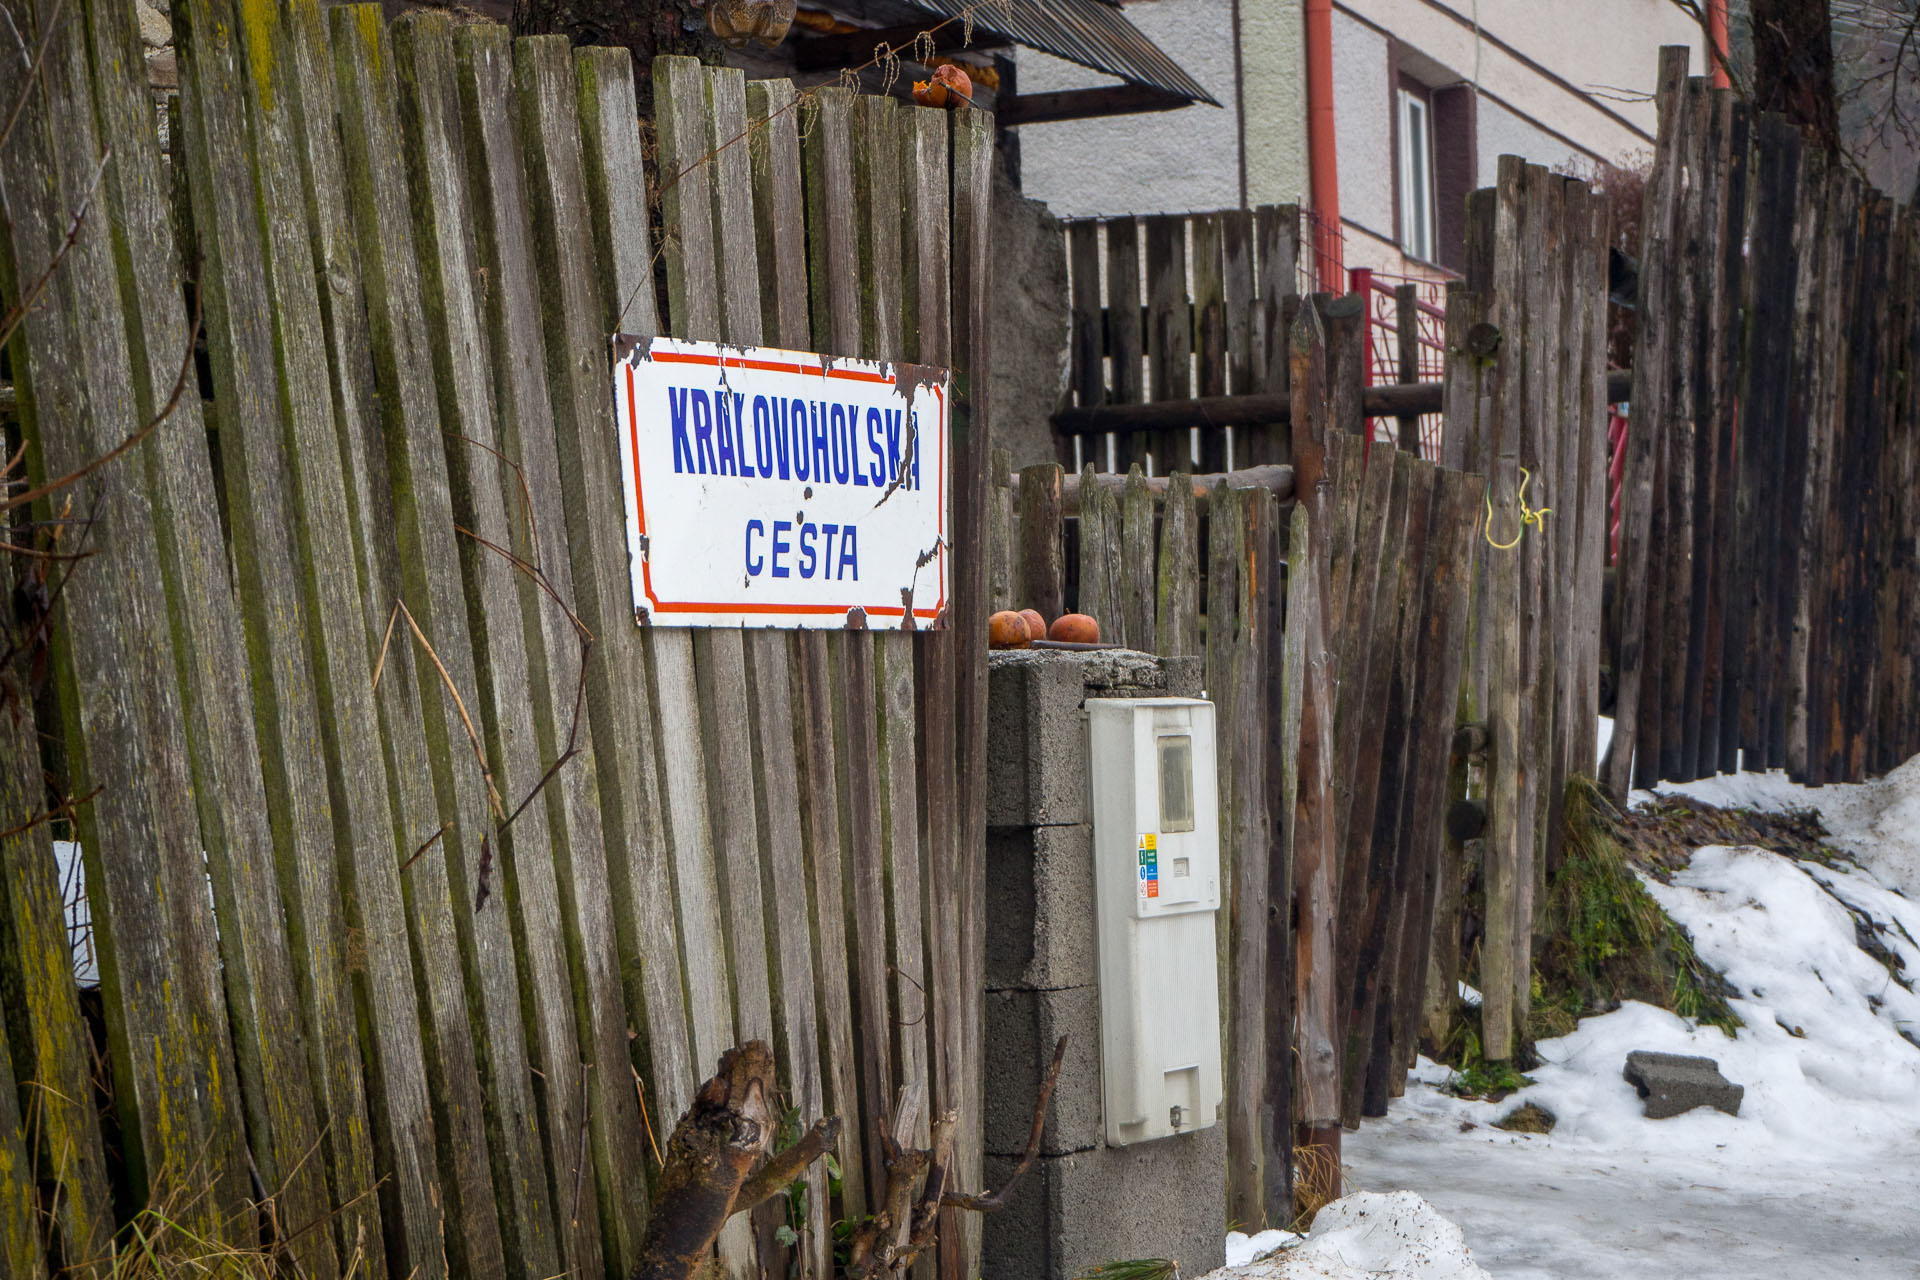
[1387,401]
[851,48]
[1084,104]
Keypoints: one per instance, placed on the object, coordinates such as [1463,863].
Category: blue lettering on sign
[809,558]
[768,438]
[729,461]
[915,418]
[893,419]
[817,421]
[780,547]
[841,451]
[702,431]
[737,419]
[677,416]
[826,568]
[853,445]
[875,424]
[754,566]
[849,554]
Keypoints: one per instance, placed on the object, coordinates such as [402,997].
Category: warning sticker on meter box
[1149,865]
[781,488]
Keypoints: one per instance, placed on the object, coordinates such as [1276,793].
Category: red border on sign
[773,366]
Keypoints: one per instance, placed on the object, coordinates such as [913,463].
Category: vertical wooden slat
[568,1199]
[1169,334]
[1390,866]
[1444,627]
[1042,568]
[277,362]
[172,1063]
[1289,598]
[209,650]
[1210,331]
[529,494]
[578,310]
[1085,337]
[1236,246]
[780,214]
[1126,341]
[427,585]
[1314,846]
[46,1036]
[699,725]
[1100,552]
[1177,588]
[1633,590]
[1135,614]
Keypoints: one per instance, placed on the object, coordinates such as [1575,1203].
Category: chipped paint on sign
[781,488]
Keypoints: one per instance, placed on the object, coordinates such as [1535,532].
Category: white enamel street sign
[774,488]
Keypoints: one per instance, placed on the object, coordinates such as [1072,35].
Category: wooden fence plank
[1126,341]
[1177,589]
[175,1090]
[1315,847]
[1085,339]
[1169,332]
[1444,628]
[296,564]
[1508,840]
[1372,749]
[1277,264]
[1100,556]
[211,660]
[1290,601]
[1043,571]
[428,581]
[1135,617]
[526,932]
[577,312]
[1210,331]
[1633,590]
[529,495]
[47,1038]
[699,725]
[1390,864]
[21,1247]
[779,210]
[1236,245]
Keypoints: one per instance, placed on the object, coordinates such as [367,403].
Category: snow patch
[1363,1235]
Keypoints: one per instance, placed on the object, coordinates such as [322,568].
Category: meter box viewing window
[1156,851]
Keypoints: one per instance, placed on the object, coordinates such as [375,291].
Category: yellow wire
[1528,516]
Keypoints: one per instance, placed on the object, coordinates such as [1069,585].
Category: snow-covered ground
[1818,1176]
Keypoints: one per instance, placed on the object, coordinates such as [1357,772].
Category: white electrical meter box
[1156,856]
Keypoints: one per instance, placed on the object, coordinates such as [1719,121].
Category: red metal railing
[1383,343]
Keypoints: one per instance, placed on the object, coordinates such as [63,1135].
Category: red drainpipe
[1717,35]
[1322,162]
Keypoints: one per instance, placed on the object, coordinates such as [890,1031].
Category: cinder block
[1039,909]
[1185,676]
[1161,1199]
[1036,739]
[1022,1028]
[1673,1083]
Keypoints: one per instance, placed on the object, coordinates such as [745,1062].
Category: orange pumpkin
[1075,628]
[950,87]
[1036,625]
[1007,630]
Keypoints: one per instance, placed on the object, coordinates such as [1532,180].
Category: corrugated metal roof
[1092,33]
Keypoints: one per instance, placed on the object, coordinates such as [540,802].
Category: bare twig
[161,415]
[30,296]
[784,1167]
[988,1203]
[427,844]
[35,65]
[460,705]
[62,810]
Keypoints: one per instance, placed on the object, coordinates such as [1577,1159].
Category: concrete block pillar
[1083,1202]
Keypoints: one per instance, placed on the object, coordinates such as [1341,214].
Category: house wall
[1187,160]
[1160,162]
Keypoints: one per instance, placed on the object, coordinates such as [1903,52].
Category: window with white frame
[1416,174]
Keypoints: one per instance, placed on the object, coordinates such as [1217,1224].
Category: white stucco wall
[1363,125]
[1273,58]
[1498,132]
[1582,67]
[1161,162]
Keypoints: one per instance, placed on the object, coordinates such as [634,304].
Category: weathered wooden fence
[1766,604]
[496,875]
[1207,318]
[1416,601]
